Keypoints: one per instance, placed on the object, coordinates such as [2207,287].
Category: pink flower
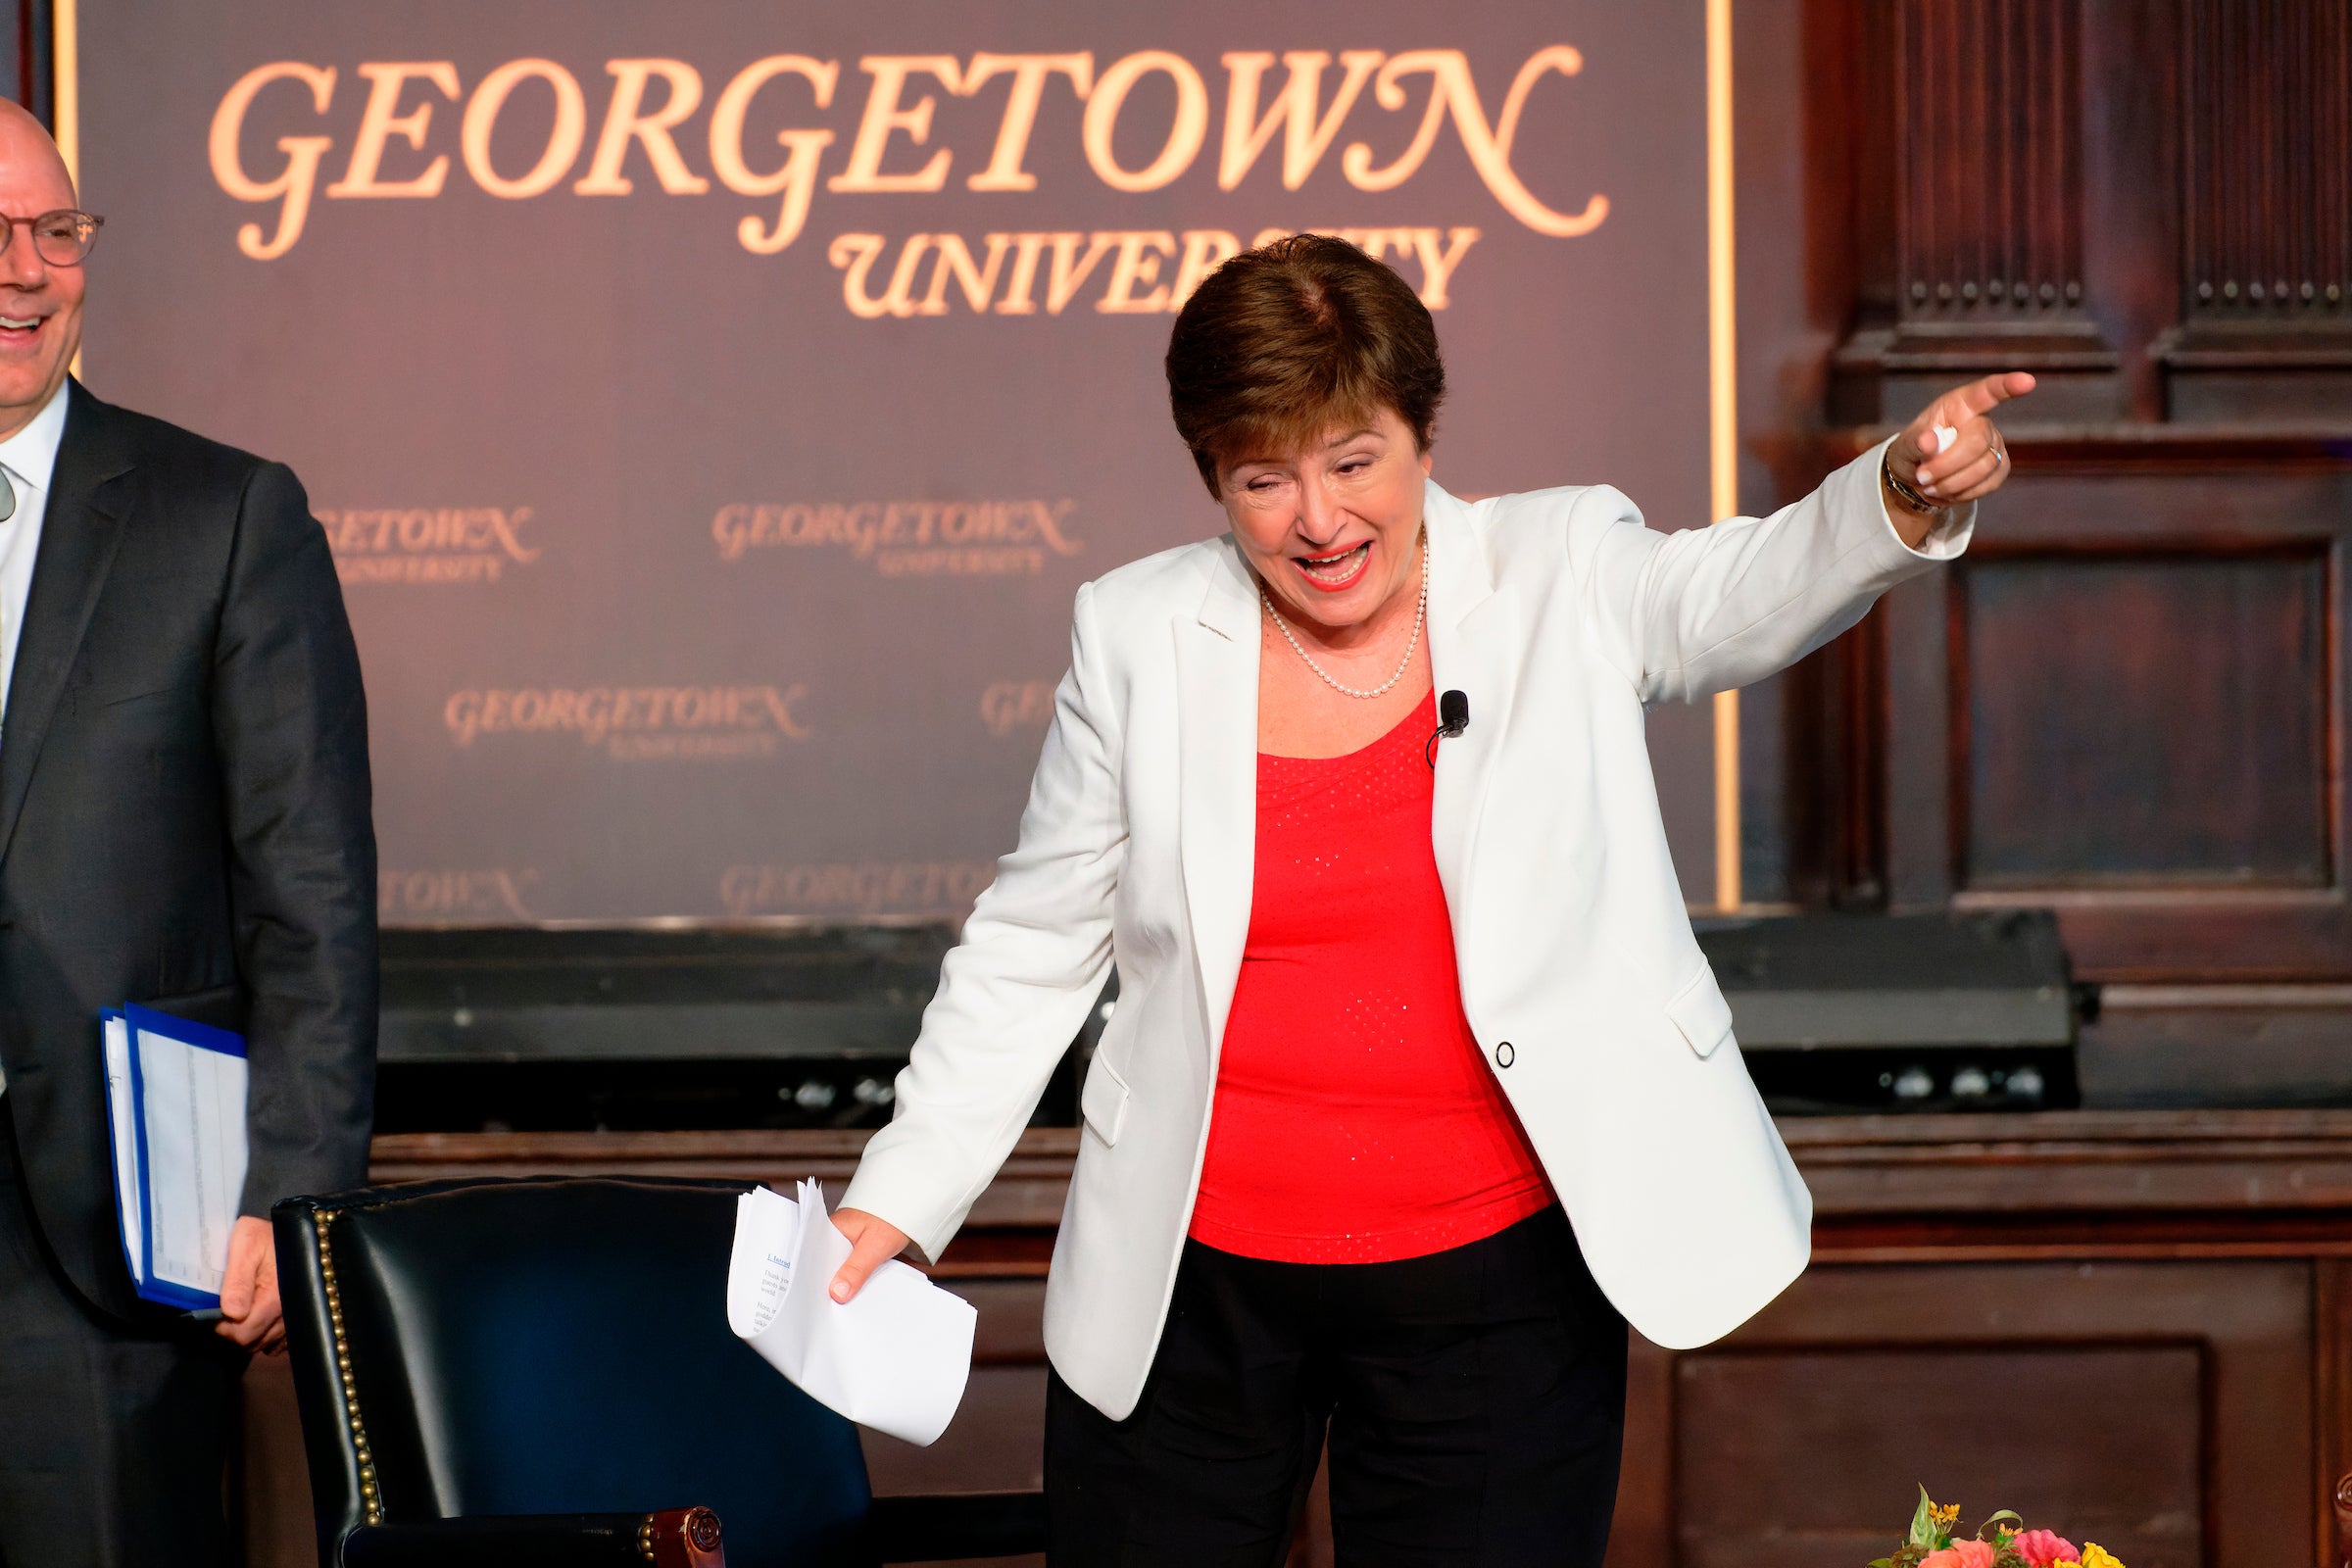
[1960,1554]
[2042,1547]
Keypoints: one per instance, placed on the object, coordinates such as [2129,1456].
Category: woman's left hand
[1973,462]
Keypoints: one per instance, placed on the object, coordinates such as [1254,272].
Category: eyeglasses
[62,237]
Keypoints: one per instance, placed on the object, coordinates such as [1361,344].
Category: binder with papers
[175,1111]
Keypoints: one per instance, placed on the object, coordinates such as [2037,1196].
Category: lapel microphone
[1454,717]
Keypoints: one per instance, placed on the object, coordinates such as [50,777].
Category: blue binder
[175,1103]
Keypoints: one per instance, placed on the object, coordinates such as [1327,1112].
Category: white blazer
[1561,616]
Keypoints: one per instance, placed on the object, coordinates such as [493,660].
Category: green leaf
[2005,1514]
[1923,1523]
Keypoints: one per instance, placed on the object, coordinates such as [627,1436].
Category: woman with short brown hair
[1418,1088]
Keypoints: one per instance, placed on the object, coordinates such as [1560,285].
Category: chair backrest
[550,1345]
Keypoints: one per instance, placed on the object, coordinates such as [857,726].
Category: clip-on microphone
[1454,717]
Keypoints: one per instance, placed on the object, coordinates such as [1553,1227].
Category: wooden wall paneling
[1914,825]
[2130,189]
[273,1479]
[1838,778]
[2332,1329]
[2133,716]
[1858,783]
[2096,1237]
[2163,1409]
[1986,208]
[2218,1176]
[1641,1535]
[2077,1184]
[2265,259]
[28,74]
[1794,1457]
[2141,711]
[1797,86]
[2153,1046]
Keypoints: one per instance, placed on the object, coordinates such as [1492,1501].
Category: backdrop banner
[713,407]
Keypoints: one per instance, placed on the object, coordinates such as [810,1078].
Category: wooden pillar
[1975,194]
[2266,260]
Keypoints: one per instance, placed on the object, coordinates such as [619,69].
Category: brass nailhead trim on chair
[645,1539]
[371,1503]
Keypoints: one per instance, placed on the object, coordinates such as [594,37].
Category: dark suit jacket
[184,818]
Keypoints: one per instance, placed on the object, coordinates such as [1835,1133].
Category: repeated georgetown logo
[907,538]
[635,723]
[1007,706]
[865,889]
[428,544]
[282,125]
[493,893]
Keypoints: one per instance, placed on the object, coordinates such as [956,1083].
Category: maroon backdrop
[712,409]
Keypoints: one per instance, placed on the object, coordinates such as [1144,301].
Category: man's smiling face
[40,305]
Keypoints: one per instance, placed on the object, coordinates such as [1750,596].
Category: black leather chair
[533,1371]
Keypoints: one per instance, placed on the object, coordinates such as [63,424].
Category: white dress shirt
[30,459]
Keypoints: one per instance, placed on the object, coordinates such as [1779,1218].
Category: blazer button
[1504,1055]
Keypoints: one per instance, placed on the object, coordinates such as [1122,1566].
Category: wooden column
[2266,262]
[1982,200]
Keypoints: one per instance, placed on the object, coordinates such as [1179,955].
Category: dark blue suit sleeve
[290,726]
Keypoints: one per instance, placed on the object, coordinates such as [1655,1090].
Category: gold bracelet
[1910,498]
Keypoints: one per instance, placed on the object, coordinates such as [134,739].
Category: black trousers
[113,1448]
[1474,1400]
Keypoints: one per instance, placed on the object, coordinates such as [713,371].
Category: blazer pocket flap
[1103,1102]
[1699,1012]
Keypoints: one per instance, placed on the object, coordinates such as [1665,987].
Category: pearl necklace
[1403,665]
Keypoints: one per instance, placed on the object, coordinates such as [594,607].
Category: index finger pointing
[1983,397]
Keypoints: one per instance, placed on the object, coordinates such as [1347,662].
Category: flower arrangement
[1931,1543]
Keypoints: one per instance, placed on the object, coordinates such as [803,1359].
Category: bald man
[184,823]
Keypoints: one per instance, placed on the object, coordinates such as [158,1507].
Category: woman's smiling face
[1331,529]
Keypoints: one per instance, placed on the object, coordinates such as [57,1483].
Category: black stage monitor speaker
[1929,1012]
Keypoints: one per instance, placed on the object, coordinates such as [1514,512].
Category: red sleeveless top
[1356,1120]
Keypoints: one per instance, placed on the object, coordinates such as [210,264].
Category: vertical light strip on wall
[65,86]
[64,99]
[1723,418]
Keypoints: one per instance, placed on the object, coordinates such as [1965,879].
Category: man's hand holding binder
[250,1310]
[177,1092]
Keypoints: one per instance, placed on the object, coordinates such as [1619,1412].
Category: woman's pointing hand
[1971,461]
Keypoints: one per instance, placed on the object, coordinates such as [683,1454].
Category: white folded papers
[175,1111]
[896,1357]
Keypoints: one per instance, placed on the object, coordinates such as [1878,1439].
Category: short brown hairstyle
[1282,343]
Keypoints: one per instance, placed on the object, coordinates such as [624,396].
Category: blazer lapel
[1474,648]
[1216,718]
[80,530]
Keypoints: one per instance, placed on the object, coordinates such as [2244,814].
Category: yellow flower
[2068,1564]
[2095,1555]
